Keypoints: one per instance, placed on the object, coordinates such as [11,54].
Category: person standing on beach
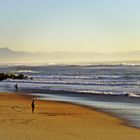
[16,87]
[33,106]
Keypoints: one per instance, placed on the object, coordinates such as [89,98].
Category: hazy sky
[70,25]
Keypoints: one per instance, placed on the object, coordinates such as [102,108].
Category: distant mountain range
[7,56]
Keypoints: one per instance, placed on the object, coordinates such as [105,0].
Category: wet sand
[58,121]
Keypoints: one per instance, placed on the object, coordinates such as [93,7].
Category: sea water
[112,88]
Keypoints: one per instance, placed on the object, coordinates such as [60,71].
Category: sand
[58,121]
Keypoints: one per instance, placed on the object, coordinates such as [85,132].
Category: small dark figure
[16,87]
[33,106]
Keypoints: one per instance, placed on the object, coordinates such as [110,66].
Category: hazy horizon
[26,51]
[9,56]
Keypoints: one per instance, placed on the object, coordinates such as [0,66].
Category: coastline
[58,120]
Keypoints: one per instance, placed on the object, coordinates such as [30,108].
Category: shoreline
[125,122]
[58,120]
[30,95]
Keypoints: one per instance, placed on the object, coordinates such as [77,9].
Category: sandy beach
[58,121]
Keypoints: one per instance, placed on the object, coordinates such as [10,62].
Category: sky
[70,25]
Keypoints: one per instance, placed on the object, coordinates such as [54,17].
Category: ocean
[113,88]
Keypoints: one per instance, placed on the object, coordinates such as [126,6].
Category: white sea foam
[100,79]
